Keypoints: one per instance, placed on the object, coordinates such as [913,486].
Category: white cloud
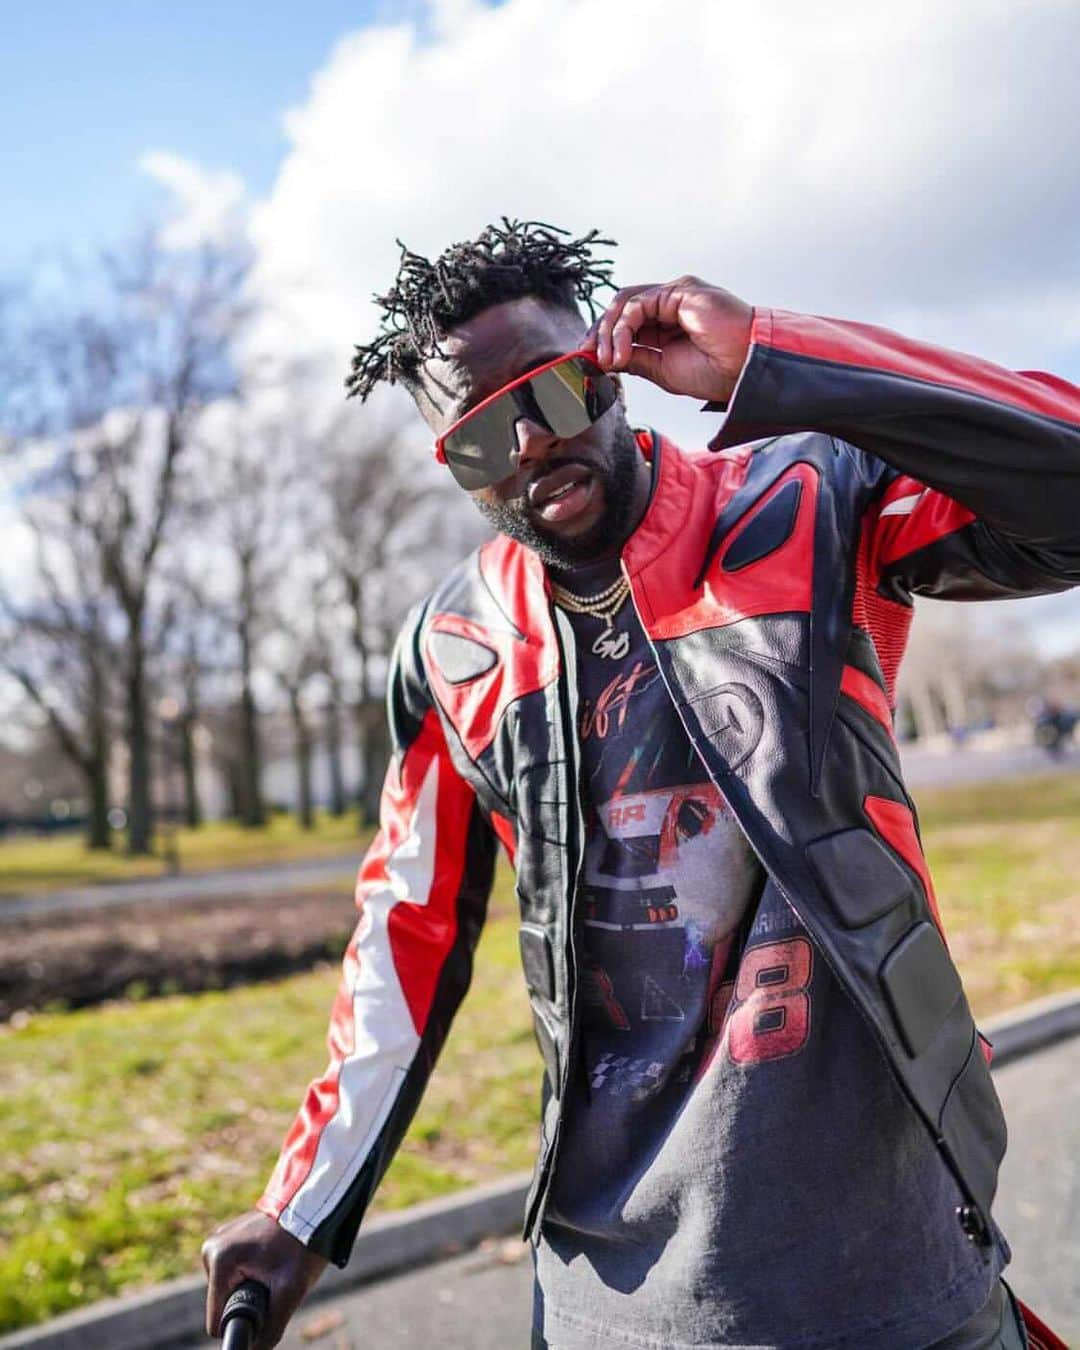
[891,163]
[904,164]
[207,204]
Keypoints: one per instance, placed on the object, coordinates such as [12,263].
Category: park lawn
[131,1130]
[1005,858]
[32,865]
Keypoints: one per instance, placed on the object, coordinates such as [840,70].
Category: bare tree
[297,665]
[120,376]
[393,525]
[192,655]
[960,668]
[327,660]
[243,499]
[57,646]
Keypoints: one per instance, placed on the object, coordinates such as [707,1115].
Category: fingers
[639,315]
[255,1247]
[654,309]
[227,1266]
[601,333]
[216,1294]
[648,363]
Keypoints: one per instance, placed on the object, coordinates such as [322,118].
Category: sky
[87,90]
[912,165]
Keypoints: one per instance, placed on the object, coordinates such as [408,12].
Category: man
[666,687]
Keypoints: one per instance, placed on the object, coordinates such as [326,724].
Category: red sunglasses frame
[440,441]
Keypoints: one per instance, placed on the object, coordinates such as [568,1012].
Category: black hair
[504,262]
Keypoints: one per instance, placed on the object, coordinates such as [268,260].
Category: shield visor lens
[564,398]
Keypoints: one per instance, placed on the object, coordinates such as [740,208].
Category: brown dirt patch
[141,950]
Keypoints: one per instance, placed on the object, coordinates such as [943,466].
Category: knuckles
[624,296]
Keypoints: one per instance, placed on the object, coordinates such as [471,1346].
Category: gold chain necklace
[605,605]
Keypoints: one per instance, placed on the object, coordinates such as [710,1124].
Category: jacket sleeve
[981,494]
[422,895]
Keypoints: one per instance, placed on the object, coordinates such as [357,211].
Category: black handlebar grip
[244,1313]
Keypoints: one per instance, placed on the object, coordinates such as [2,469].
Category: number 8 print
[769,1016]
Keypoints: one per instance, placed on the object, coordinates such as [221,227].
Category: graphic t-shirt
[737,1166]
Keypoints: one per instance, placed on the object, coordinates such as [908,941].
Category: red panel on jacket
[862,344]
[895,823]
[669,546]
[526,661]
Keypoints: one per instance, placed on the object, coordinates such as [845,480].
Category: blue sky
[85,89]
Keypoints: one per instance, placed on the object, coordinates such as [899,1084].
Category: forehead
[491,348]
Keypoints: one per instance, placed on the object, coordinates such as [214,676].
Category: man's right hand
[255,1247]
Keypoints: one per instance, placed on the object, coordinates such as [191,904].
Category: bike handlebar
[243,1315]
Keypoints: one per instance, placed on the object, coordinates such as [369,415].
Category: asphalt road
[268,879]
[923,768]
[482,1301]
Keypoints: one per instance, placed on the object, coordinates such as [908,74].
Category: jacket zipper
[575,828]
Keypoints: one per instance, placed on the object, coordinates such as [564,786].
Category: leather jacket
[774,581]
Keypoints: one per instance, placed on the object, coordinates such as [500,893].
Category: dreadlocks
[505,262]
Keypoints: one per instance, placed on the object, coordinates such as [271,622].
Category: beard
[617,480]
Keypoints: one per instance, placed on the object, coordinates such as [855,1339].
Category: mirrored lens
[572,395]
[479,452]
[565,399]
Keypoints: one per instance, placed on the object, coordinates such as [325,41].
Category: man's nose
[534,442]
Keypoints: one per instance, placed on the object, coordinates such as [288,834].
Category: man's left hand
[686,336]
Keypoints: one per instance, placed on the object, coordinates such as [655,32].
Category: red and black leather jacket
[774,581]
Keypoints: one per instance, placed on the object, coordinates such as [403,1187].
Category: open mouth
[562,494]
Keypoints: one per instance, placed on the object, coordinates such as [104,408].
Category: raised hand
[686,336]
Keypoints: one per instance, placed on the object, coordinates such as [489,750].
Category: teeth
[561,492]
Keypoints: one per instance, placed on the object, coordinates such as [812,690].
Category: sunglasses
[564,397]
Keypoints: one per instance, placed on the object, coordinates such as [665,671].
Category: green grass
[129,1131]
[1006,864]
[39,865]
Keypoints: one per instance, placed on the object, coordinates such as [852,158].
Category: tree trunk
[302,734]
[98,831]
[254,809]
[193,816]
[332,741]
[234,789]
[375,748]
[140,809]
[96,766]
[924,711]
[189,721]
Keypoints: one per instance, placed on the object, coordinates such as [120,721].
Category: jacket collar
[669,502]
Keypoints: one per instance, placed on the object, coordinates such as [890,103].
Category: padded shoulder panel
[460,658]
[921,985]
[536,960]
[861,878]
[766,530]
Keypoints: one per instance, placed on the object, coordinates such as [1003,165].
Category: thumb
[647,362]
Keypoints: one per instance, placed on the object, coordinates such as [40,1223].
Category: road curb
[1033,1026]
[172,1314]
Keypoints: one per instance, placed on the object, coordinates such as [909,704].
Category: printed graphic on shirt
[609,710]
[667,879]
